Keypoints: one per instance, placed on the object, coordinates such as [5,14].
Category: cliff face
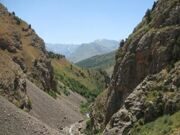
[23,55]
[152,48]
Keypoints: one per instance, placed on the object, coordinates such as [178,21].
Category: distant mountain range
[65,49]
[76,53]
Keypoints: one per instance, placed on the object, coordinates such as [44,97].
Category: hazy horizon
[77,22]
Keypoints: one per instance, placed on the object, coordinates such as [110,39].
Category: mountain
[144,94]
[97,47]
[23,56]
[105,62]
[40,92]
[76,53]
[64,49]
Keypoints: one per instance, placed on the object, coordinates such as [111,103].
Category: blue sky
[80,21]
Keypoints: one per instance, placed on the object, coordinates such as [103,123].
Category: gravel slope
[14,121]
[58,113]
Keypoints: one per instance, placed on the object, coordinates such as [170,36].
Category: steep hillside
[105,62]
[22,47]
[23,55]
[88,83]
[14,121]
[146,80]
[27,80]
[97,47]
[56,113]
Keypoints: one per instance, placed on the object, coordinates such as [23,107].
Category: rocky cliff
[23,55]
[146,80]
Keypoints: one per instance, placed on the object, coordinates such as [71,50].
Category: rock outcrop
[23,55]
[154,46]
[155,96]
[26,49]
[13,83]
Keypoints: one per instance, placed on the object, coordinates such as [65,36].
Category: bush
[52,94]
[29,105]
[66,92]
[84,107]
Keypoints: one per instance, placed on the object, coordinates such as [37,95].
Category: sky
[80,21]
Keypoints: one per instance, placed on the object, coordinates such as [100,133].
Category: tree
[29,26]
[148,15]
[154,5]
[121,44]
[13,13]
[71,66]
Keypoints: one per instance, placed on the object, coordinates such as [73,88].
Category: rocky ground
[48,116]
[14,121]
[56,113]
[76,128]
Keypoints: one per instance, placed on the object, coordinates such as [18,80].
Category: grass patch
[164,125]
[84,107]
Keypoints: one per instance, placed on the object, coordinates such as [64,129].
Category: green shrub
[66,92]
[84,107]
[52,94]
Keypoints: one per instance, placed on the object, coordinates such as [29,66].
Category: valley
[98,88]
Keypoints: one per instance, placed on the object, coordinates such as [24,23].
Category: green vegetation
[148,15]
[154,5]
[89,131]
[52,94]
[151,96]
[105,62]
[88,83]
[66,92]
[84,107]
[76,86]
[29,104]
[164,125]
[54,55]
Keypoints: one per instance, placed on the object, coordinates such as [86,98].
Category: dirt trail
[57,113]
[14,121]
